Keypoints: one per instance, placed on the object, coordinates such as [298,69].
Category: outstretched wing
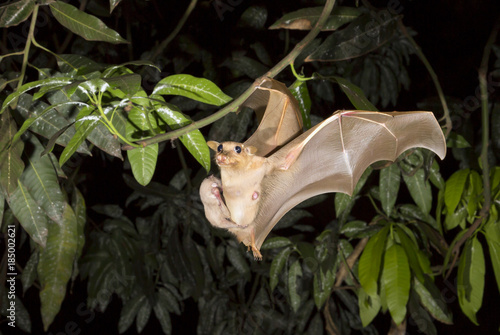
[279,114]
[332,156]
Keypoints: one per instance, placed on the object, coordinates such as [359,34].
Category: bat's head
[231,154]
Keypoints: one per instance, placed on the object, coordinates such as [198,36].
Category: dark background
[452,35]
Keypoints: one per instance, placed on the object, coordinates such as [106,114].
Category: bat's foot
[256,253]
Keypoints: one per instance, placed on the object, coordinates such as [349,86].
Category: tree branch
[233,106]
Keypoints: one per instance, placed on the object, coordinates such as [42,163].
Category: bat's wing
[279,113]
[332,156]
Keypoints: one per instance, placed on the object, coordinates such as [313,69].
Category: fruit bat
[277,167]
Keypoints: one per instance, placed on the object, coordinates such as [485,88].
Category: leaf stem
[233,106]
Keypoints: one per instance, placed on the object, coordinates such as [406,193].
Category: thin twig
[174,33]
[27,47]
[433,75]
[233,106]
[353,257]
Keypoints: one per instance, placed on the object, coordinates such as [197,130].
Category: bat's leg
[256,253]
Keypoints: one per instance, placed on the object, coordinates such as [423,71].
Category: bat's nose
[221,159]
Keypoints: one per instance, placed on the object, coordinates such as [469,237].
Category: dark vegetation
[118,240]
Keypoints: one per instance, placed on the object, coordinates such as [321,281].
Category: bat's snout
[222,159]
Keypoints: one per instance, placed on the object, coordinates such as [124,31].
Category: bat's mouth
[224,161]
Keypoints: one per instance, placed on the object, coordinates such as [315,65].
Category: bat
[258,188]
[215,210]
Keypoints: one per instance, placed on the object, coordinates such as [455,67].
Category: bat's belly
[242,208]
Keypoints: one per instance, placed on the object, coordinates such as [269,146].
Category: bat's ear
[251,150]
[213,145]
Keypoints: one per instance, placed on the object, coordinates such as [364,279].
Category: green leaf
[55,265]
[432,300]
[301,93]
[277,266]
[243,65]
[371,260]
[42,181]
[77,65]
[48,124]
[143,163]
[113,4]
[455,140]
[470,281]
[323,282]
[435,177]
[143,316]
[129,312]
[84,127]
[14,13]
[199,89]
[27,123]
[474,192]
[110,71]
[396,280]
[237,260]
[455,186]
[353,228]
[456,218]
[492,233]
[87,26]
[129,84]
[169,301]
[161,312]
[369,306]
[31,85]
[102,138]
[31,217]
[356,39]
[29,271]
[355,94]
[295,271]
[306,18]
[11,164]
[411,251]
[142,160]
[390,178]
[80,210]
[276,242]
[420,190]
[193,141]
[420,316]
[342,203]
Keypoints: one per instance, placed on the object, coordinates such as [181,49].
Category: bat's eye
[237,149]
[219,148]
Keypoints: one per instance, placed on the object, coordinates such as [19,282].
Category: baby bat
[215,210]
[329,157]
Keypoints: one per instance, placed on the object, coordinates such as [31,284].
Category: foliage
[156,252]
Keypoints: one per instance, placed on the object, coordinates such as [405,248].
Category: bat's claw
[256,253]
